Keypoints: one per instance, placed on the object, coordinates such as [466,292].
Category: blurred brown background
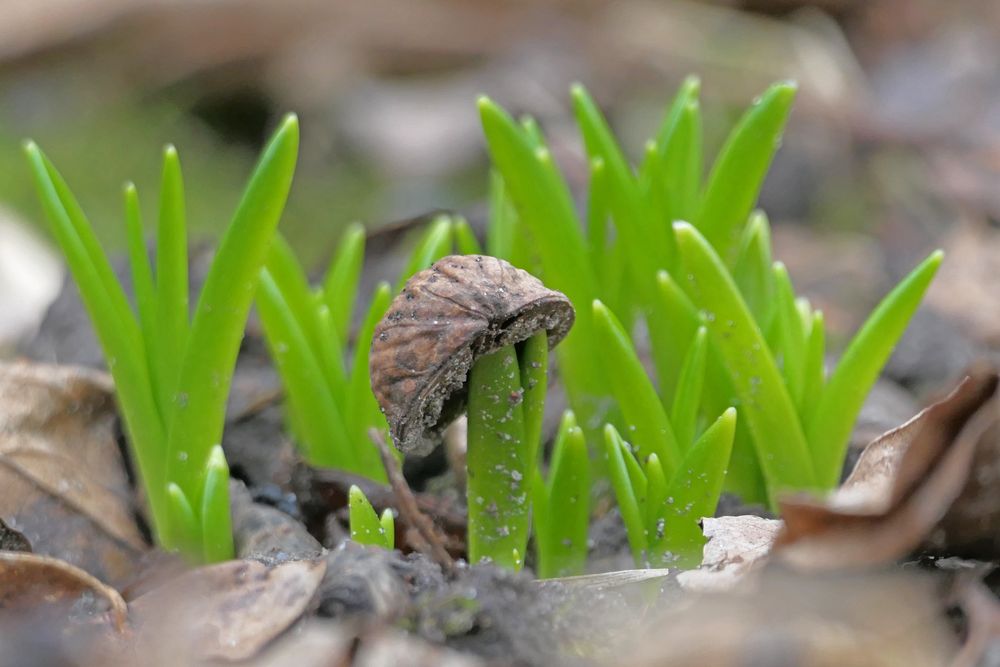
[893,148]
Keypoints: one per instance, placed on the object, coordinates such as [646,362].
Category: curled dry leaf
[788,619]
[33,583]
[931,485]
[736,545]
[227,611]
[446,317]
[63,484]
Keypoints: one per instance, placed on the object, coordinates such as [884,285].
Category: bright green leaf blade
[533,359]
[216,524]
[565,546]
[547,216]
[650,247]
[172,325]
[597,217]
[142,278]
[465,241]
[677,321]
[656,494]
[687,397]
[648,427]
[433,244]
[57,191]
[340,285]
[628,504]
[198,413]
[753,269]
[815,368]
[362,408]
[693,493]
[764,400]
[497,486]
[183,531]
[120,337]
[686,94]
[543,202]
[319,419]
[682,166]
[388,522]
[366,528]
[859,367]
[793,343]
[738,173]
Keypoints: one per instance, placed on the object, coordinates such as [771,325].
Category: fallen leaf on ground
[736,545]
[931,485]
[788,619]
[30,582]
[63,484]
[228,611]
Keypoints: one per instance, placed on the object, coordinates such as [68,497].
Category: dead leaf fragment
[63,484]
[228,611]
[786,619]
[933,485]
[736,544]
[29,581]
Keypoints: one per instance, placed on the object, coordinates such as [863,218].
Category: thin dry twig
[408,505]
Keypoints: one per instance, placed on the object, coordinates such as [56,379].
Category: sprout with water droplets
[172,374]
[491,317]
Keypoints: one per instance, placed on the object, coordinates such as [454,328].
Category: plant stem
[497,461]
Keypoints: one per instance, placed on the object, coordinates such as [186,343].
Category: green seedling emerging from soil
[474,331]
[561,505]
[367,527]
[172,375]
[765,348]
[329,401]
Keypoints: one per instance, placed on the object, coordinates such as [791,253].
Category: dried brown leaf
[228,611]
[787,619]
[33,583]
[63,484]
[933,484]
[736,545]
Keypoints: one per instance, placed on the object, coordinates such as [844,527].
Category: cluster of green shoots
[687,261]
[173,374]
[329,403]
[739,397]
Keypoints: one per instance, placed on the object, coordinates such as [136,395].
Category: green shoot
[367,527]
[763,349]
[661,512]
[561,505]
[504,414]
[172,375]
[328,397]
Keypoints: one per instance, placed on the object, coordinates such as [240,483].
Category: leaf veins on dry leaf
[63,484]
[930,486]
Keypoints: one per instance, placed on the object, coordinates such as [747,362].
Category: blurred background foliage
[893,146]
